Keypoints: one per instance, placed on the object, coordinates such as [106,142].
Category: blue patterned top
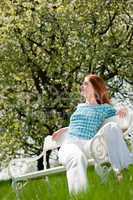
[87,119]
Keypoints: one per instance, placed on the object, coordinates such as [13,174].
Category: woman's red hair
[100,87]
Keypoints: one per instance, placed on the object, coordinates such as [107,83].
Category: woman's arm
[111,110]
[56,135]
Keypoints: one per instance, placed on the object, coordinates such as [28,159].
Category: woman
[84,125]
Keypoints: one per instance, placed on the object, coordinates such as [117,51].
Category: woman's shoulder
[107,106]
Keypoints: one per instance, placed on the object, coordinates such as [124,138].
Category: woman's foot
[119,177]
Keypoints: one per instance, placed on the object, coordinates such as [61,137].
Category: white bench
[97,151]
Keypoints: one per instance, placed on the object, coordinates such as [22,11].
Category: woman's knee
[112,132]
[111,127]
[71,155]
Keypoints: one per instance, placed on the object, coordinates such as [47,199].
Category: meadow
[55,188]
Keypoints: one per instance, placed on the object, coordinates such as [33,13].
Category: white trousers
[74,154]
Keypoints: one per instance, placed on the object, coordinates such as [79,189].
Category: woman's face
[87,89]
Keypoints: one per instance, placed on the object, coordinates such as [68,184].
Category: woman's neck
[91,100]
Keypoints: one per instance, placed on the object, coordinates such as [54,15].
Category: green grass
[56,188]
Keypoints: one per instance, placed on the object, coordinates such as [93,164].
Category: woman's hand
[122,112]
[56,135]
